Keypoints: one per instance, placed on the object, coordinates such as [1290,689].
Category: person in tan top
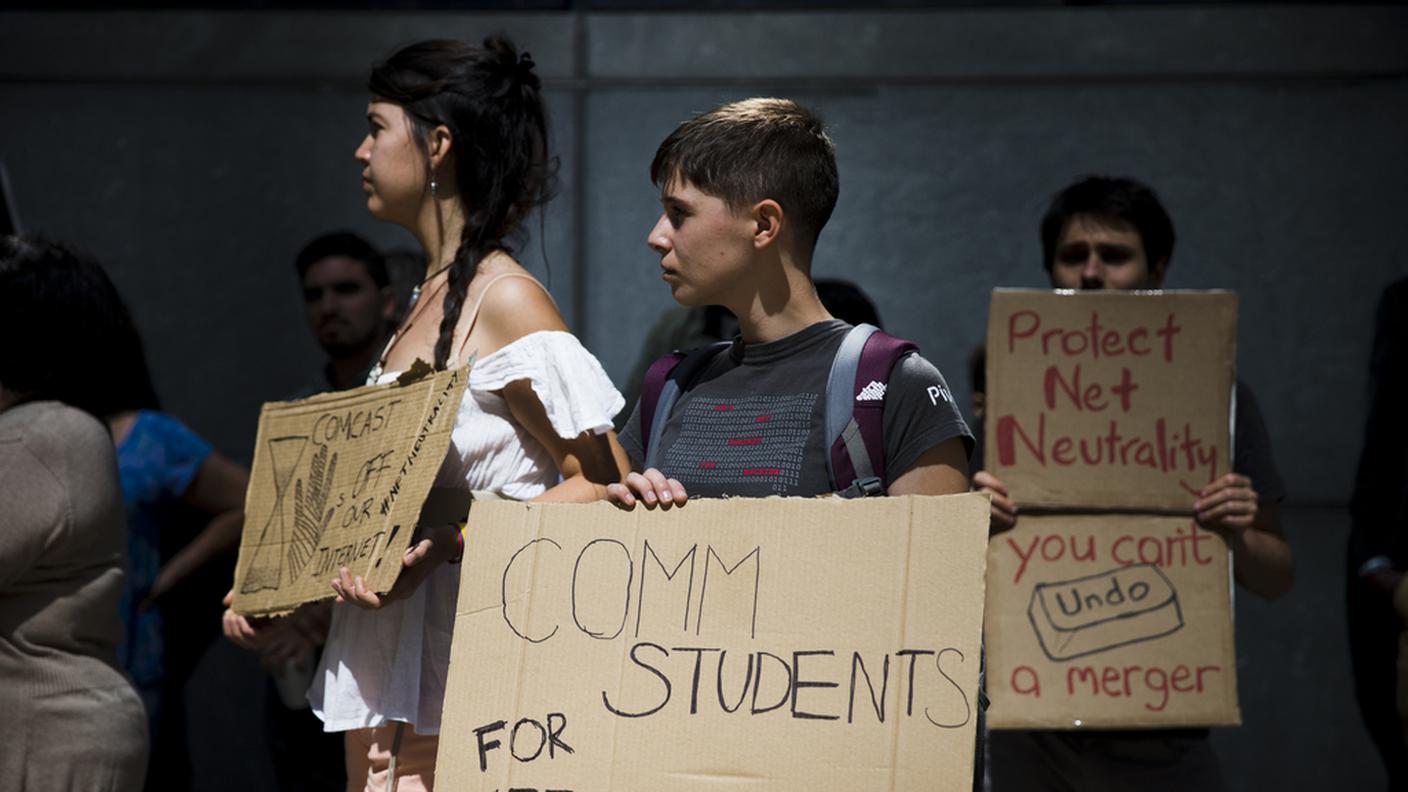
[71,720]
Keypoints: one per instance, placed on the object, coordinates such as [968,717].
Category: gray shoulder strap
[841,384]
[678,378]
[669,393]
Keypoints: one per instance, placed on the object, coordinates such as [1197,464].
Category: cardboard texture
[1110,621]
[339,480]
[777,644]
[1110,400]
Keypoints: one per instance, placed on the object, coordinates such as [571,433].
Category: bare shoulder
[511,307]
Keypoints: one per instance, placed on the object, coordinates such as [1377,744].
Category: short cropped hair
[748,151]
[1111,199]
[343,243]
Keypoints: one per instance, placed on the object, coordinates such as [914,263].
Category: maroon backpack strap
[664,381]
[858,450]
[650,389]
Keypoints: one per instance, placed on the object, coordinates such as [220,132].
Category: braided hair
[491,101]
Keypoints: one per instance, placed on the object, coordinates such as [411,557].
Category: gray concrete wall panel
[998,44]
[215,46]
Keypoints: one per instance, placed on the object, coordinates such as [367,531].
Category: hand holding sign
[336,490]
[1108,407]
[1228,505]
[437,545]
[1004,508]
[651,488]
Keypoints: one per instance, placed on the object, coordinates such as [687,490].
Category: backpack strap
[855,409]
[664,380]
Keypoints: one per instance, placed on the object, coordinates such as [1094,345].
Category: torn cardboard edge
[339,479]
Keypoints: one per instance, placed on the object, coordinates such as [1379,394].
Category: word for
[352,424]
[1155,684]
[538,736]
[606,565]
[332,558]
[1183,548]
[785,683]
[1094,339]
[1161,451]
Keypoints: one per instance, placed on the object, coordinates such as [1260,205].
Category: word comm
[608,565]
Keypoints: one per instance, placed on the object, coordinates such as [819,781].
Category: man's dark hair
[1114,200]
[748,151]
[343,243]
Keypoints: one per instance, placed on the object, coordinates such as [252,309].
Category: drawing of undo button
[1074,618]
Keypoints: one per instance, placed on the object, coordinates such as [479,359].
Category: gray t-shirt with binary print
[752,422]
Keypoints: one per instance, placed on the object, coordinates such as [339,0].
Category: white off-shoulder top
[391,664]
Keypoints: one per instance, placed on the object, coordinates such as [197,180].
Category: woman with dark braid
[457,154]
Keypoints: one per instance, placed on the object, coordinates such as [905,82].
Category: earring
[433,186]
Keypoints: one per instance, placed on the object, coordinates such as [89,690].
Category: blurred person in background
[350,305]
[72,721]
[1378,543]
[183,503]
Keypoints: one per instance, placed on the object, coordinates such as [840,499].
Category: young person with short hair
[746,190]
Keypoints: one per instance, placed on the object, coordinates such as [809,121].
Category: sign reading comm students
[339,480]
[785,643]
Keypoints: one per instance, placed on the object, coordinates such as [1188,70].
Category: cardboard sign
[1102,621]
[777,643]
[1110,400]
[339,480]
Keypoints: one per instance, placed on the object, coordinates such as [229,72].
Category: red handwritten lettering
[1094,339]
[1025,681]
